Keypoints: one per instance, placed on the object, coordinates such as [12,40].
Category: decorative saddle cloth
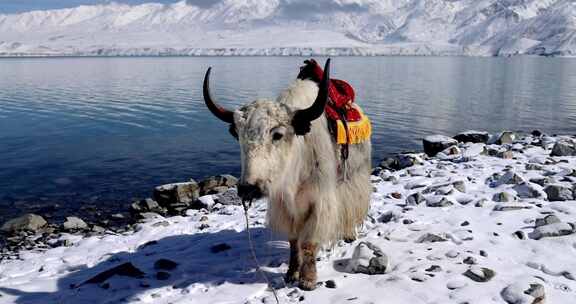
[346,120]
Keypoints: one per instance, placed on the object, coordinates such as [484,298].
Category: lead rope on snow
[253,251]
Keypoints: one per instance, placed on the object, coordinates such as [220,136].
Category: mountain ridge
[296,27]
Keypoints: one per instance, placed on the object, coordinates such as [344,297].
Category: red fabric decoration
[341,93]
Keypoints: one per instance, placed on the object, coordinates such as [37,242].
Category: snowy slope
[297,27]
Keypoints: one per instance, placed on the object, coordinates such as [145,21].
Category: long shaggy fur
[308,199]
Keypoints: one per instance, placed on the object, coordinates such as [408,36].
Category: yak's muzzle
[249,192]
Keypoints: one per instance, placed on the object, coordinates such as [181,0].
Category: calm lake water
[104,130]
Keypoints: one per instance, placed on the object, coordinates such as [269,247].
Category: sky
[17,6]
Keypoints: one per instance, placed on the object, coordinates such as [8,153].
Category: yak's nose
[249,192]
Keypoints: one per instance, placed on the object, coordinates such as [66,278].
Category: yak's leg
[308,273]
[293,273]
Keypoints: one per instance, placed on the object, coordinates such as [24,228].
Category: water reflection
[73,129]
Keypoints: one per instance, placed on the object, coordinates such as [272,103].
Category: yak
[289,156]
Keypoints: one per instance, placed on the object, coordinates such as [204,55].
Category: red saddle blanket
[340,92]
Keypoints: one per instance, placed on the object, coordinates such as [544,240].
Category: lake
[76,131]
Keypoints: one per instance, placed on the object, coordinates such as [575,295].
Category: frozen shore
[461,223]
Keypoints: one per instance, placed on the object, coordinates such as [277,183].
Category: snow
[296,28]
[477,230]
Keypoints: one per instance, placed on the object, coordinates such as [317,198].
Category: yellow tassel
[359,131]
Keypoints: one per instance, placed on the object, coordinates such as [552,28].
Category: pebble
[479,274]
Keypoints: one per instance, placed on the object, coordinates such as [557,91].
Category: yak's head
[266,131]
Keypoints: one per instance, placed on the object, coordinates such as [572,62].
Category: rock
[146,205]
[518,293]
[369,259]
[389,216]
[433,268]
[547,220]
[506,137]
[165,264]
[534,167]
[229,197]
[473,137]
[452,254]
[437,143]
[509,178]
[552,230]
[479,274]
[330,284]
[217,184]
[396,195]
[564,148]
[542,181]
[460,186]
[431,238]
[529,190]
[504,197]
[415,199]
[177,194]
[536,133]
[558,192]
[74,223]
[439,202]
[521,235]
[126,270]
[470,261]
[456,284]
[27,222]
[98,229]
[450,153]
[399,162]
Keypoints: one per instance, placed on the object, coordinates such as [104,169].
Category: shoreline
[462,220]
[175,199]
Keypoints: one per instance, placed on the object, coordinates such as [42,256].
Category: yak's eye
[277,136]
[278,133]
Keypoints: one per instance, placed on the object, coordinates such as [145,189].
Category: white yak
[289,156]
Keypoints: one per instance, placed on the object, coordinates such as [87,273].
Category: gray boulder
[473,137]
[518,293]
[177,195]
[415,199]
[369,259]
[564,148]
[74,223]
[529,190]
[558,192]
[27,222]
[552,230]
[439,202]
[437,143]
[399,162]
[217,184]
[547,220]
[506,137]
[479,274]
[146,205]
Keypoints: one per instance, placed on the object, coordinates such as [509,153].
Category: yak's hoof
[292,277]
[307,284]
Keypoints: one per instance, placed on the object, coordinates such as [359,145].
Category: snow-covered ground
[460,222]
[297,27]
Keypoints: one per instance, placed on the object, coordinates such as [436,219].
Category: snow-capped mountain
[297,27]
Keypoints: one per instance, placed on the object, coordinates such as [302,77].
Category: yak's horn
[302,118]
[218,111]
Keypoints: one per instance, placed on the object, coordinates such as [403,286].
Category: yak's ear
[232,130]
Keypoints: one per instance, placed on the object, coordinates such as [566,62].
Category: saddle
[346,120]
